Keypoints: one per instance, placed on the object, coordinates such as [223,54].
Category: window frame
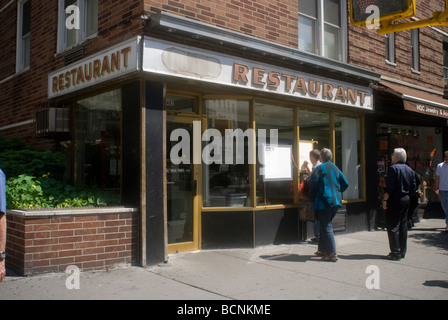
[21,64]
[320,30]
[445,58]
[415,50]
[390,48]
[81,36]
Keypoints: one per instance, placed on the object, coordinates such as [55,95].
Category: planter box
[41,241]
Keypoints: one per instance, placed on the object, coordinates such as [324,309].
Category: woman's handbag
[304,189]
[306,211]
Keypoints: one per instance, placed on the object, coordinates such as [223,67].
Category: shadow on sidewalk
[290,257]
[436,283]
[365,256]
[431,237]
[298,258]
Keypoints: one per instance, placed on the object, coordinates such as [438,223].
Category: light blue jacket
[327,183]
[2,192]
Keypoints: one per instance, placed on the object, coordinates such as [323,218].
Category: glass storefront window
[423,146]
[225,166]
[348,153]
[314,126]
[180,104]
[98,141]
[273,117]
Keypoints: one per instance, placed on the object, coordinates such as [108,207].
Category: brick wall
[22,93]
[275,21]
[39,244]
[367,49]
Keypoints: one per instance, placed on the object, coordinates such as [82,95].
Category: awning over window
[419,101]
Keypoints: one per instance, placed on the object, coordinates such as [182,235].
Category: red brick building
[118,92]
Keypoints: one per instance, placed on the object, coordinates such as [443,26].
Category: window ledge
[393,64]
[55,212]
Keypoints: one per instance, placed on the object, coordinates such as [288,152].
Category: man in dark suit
[400,186]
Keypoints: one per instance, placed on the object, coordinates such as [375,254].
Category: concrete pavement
[283,272]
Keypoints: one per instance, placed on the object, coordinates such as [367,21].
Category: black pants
[397,229]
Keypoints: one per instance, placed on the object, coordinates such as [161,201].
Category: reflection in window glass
[92,17]
[331,37]
[308,7]
[307,35]
[348,153]
[281,119]
[98,141]
[314,126]
[332,12]
[71,34]
[181,104]
[225,165]
[313,134]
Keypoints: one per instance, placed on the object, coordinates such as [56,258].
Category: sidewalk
[284,272]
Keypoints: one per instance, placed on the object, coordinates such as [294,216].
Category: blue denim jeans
[443,195]
[327,245]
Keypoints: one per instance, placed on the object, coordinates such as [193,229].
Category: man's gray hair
[400,153]
[326,155]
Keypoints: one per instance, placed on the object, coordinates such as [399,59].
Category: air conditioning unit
[53,120]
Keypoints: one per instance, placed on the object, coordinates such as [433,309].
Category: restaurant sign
[103,66]
[167,58]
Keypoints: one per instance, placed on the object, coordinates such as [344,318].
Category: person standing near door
[441,185]
[400,186]
[326,186]
[315,161]
[2,225]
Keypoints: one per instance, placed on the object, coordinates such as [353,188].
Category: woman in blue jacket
[326,186]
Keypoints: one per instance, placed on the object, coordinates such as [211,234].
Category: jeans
[327,244]
[316,228]
[443,195]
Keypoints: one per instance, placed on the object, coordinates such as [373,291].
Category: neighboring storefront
[181,132]
[416,121]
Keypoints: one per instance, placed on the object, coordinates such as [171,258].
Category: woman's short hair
[326,155]
[400,153]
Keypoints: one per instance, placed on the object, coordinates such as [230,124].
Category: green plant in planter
[24,192]
[27,192]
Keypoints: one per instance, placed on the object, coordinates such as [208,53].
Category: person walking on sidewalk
[326,186]
[400,186]
[2,225]
[441,185]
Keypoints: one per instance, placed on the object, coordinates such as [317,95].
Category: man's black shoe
[394,257]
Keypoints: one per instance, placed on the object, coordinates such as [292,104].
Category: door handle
[195,188]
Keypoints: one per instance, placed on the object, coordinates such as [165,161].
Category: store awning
[419,101]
